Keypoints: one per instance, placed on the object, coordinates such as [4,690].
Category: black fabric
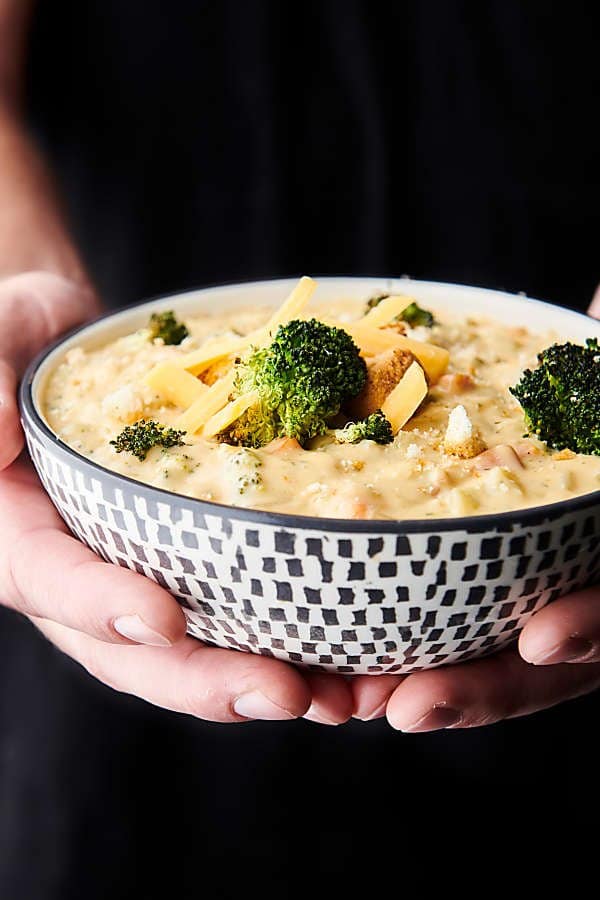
[199,142]
[208,141]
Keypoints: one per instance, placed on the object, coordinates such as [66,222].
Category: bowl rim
[31,416]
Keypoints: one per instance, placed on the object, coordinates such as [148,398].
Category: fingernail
[135,629]
[439,716]
[255,705]
[313,716]
[573,649]
[377,713]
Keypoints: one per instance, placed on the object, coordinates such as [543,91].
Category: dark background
[205,141]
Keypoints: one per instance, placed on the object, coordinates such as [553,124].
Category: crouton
[384,371]
[215,371]
[564,454]
[461,438]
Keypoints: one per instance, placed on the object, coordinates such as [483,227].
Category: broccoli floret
[374,428]
[301,378]
[164,325]
[413,315]
[257,427]
[142,436]
[375,300]
[561,398]
[242,467]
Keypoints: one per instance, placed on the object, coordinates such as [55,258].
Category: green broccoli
[142,436]
[561,398]
[257,427]
[242,467]
[375,300]
[374,428]
[164,325]
[413,315]
[302,378]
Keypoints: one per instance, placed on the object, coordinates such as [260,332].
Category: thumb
[594,307]
[12,436]
[35,307]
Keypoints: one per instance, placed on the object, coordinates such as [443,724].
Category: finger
[207,682]
[484,691]
[332,702]
[371,694]
[47,573]
[12,436]
[36,307]
[69,584]
[567,631]
[594,308]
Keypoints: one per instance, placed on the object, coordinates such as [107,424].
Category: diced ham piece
[527,448]
[455,383]
[502,455]
[280,445]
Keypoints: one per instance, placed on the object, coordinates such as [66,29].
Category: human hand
[130,633]
[35,307]
[557,658]
[122,627]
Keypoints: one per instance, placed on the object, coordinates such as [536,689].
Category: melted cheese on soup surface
[93,394]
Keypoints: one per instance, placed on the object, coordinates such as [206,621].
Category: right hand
[122,627]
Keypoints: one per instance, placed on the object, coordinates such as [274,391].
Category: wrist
[34,236]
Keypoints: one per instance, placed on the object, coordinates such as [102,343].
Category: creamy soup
[93,394]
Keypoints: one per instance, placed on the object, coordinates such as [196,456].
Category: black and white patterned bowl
[340,595]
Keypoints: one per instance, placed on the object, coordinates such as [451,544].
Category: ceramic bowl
[333,594]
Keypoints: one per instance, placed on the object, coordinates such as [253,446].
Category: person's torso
[202,142]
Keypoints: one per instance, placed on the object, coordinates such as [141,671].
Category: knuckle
[205,695]
[206,703]
[196,696]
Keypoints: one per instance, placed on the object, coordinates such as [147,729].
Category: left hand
[557,658]
[123,628]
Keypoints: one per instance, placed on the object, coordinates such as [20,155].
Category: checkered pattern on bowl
[347,597]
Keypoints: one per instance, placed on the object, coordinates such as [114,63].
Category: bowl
[356,597]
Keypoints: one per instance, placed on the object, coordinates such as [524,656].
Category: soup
[462,450]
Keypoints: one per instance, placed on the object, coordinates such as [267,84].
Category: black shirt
[207,141]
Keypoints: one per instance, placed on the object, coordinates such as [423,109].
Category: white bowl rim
[472,523]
